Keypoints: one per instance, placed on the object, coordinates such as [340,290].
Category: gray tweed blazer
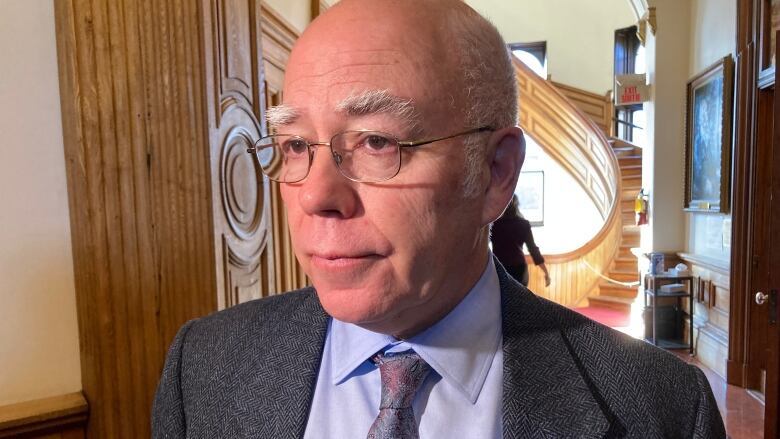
[250,372]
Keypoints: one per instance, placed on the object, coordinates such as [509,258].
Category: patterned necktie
[402,374]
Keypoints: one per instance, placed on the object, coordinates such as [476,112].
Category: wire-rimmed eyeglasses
[363,156]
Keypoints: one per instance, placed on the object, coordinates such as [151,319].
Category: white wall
[296,12]
[580,34]
[39,345]
[663,161]
[692,34]
[570,217]
[709,234]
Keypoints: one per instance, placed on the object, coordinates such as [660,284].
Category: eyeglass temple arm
[425,142]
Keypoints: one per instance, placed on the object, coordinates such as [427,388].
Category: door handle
[761,298]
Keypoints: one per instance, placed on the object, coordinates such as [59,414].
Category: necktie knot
[402,375]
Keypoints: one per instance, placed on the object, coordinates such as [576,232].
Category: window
[629,58]
[534,55]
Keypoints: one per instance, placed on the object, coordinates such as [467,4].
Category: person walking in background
[508,235]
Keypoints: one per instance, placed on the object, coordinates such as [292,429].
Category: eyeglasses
[362,156]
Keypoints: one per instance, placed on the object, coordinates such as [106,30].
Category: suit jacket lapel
[285,370]
[545,393]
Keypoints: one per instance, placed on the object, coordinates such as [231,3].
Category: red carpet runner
[609,317]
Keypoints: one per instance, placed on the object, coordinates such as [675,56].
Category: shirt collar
[460,347]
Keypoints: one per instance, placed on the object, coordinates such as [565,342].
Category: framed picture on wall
[708,138]
[530,194]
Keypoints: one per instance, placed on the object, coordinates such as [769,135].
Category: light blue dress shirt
[460,398]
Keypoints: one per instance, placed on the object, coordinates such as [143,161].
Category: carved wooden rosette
[240,195]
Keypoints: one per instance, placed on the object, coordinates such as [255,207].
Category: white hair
[280,115]
[381,101]
[489,82]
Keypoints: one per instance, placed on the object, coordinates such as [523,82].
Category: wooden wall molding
[712,264]
[712,310]
[62,416]
[600,108]
[279,36]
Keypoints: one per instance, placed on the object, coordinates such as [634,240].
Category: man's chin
[354,305]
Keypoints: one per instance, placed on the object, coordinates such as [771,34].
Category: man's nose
[325,192]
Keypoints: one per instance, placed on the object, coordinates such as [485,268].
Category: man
[397,146]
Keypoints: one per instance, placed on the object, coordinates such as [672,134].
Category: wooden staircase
[624,267]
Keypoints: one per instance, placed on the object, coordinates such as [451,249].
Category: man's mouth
[346,261]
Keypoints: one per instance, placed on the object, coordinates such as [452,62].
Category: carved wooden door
[235,95]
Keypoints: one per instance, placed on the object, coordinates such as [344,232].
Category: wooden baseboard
[63,416]
[735,373]
[712,348]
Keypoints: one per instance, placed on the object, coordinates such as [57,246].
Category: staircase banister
[574,141]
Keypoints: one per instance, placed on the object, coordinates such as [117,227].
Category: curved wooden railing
[577,144]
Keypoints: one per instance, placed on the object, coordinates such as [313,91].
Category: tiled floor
[742,413]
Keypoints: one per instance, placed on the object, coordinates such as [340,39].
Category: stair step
[626,264]
[630,230]
[619,303]
[624,157]
[625,251]
[632,241]
[629,193]
[631,181]
[613,290]
[620,144]
[630,171]
[624,275]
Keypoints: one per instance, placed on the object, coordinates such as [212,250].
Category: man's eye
[376,142]
[295,146]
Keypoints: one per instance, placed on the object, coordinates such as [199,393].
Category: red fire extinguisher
[640,207]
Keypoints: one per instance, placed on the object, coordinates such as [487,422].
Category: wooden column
[742,189]
[136,148]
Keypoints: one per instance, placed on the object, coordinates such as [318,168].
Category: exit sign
[631,89]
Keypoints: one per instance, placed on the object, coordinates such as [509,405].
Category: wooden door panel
[759,262]
[235,40]
[771,254]
[240,195]
[243,219]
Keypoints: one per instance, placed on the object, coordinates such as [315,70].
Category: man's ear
[505,161]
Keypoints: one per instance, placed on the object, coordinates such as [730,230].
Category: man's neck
[446,299]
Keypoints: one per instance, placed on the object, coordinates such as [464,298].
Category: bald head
[443,58]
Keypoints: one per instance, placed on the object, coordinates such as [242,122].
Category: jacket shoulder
[227,374]
[638,380]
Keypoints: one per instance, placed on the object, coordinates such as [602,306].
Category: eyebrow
[280,115]
[362,104]
[381,101]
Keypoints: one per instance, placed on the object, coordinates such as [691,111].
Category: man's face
[387,256]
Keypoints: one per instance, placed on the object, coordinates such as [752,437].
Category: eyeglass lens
[366,156]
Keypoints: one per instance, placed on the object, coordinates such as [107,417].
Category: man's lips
[336,261]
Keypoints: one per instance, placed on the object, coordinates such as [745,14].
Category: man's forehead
[317,69]
[326,81]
